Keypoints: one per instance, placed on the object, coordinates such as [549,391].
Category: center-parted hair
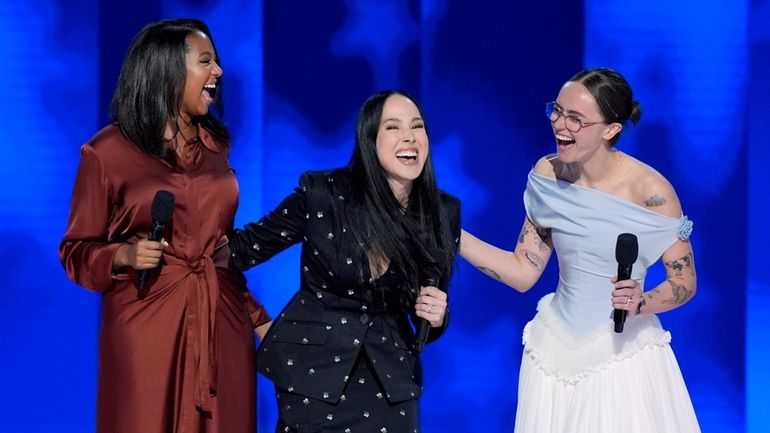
[410,238]
[612,93]
[150,88]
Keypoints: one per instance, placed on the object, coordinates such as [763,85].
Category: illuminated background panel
[295,76]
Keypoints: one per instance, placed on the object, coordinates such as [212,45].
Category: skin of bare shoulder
[548,165]
[653,191]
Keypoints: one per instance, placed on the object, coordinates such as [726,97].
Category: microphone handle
[422,325]
[619,316]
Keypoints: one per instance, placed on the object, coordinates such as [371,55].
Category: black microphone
[626,252]
[162,209]
[423,326]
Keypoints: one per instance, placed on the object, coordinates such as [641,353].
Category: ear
[611,131]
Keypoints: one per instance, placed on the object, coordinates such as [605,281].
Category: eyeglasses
[573,122]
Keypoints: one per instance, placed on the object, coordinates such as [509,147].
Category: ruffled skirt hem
[604,382]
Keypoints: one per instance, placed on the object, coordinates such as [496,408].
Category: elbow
[518,284]
[522,288]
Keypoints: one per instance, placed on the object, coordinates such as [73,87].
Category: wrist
[119,259]
[640,305]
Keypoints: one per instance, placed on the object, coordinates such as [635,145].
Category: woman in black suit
[378,242]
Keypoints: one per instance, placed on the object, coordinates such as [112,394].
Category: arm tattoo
[534,260]
[524,230]
[540,235]
[544,234]
[680,264]
[491,273]
[655,200]
[680,293]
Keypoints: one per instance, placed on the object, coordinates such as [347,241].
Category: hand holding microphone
[430,307]
[161,212]
[626,253]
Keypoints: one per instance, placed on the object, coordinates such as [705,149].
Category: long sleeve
[273,233]
[84,251]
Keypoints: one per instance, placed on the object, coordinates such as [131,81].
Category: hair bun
[636,112]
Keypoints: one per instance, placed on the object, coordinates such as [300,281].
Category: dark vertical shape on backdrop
[118,23]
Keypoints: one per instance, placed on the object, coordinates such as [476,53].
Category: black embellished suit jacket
[338,310]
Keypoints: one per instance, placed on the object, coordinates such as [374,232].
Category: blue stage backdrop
[296,73]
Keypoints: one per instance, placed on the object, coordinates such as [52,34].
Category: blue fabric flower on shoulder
[685,228]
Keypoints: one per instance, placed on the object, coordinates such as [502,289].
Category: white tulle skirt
[603,383]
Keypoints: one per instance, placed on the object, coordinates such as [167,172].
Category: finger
[146,244]
[433,292]
[153,253]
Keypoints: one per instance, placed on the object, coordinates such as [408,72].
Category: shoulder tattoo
[655,200]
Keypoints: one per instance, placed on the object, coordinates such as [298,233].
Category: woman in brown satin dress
[181,358]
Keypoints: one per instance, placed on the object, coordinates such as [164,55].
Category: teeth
[407,154]
[210,86]
[563,137]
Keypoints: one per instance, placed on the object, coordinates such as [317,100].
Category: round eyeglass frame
[571,122]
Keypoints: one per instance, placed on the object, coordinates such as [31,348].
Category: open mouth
[564,141]
[210,90]
[407,156]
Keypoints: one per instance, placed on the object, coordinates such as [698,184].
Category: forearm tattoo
[679,293]
[491,273]
[680,265]
[655,200]
[534,260]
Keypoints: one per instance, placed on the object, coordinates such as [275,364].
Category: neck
[602,166]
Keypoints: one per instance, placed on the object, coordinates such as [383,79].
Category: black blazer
[312,345]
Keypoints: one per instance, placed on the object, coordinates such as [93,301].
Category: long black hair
[414,238]
[151,85]
[612,93]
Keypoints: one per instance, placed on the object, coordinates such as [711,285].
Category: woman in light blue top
[577,374]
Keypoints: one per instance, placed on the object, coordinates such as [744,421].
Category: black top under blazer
[339,309]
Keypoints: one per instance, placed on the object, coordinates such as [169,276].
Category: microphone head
[163,206]
[626,249]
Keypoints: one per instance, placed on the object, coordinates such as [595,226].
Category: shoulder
[110,147]
[324,184]
[652,190]
[315,178]
[451,207]
[108,139]
[549,165]
[449,202]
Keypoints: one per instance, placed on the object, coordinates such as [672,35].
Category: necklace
[182,131]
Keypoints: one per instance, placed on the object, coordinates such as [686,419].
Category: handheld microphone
[431,279]
[626,252]
[162,209]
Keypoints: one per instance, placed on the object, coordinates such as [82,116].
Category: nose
[217,71]
[408,135]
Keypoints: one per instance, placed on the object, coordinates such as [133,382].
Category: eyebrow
[568,111]
[395,119]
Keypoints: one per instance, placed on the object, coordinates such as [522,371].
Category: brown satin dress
[183,358]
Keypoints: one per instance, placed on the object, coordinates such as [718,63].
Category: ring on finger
[428,308]
[630,300]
